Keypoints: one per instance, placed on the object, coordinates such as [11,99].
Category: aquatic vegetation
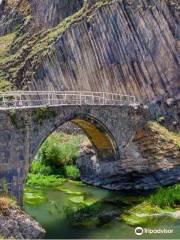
[34,196]
[77,199]
[44,181]
[68,191]
[89,222]
[139,214]
[161,203]
[76,182]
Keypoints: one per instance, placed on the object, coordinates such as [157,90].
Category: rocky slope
[15,224]
[151,160]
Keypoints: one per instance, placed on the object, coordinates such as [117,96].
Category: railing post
[103,98]
[4,101]
[80,96]
[112,98]
[92,98]
[15,102]
[49,99]
[52,96]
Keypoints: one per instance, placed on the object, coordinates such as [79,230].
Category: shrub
[72,172]
[39,168]
[60,150]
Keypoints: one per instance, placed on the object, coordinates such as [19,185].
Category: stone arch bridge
[28,118]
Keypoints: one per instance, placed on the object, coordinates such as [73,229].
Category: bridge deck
[29,99]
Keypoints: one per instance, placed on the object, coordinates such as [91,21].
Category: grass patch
[162,202]
[166,197]
[5,85]
[6,202]
[165,133]
[5,44]
[142,214]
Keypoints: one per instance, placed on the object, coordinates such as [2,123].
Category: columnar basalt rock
[131,47]
[109,128]
[123,47]
[48,13]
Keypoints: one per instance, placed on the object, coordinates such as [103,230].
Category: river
[55,209]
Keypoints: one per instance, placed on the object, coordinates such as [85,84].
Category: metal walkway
[29,99]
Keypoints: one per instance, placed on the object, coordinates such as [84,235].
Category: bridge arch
[22,131]
[103,141]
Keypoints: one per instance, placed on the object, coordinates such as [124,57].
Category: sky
[0,2]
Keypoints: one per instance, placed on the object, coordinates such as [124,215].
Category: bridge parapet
[26,99]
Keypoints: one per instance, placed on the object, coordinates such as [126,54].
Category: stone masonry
[110,129]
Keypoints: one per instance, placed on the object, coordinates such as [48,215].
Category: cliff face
[48,13]
[11,16]
[111,45]
[121,48]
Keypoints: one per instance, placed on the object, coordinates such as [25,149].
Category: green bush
[72,172]
[60,150]
[166,197]
[55,160]
[39,168]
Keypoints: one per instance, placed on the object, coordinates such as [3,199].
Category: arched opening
[101,138]
[70,195]
[103,145]
[103,142]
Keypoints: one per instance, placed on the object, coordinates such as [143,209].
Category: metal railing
[26,99]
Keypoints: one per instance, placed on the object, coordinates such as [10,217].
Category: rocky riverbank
[16,224]
[151,161]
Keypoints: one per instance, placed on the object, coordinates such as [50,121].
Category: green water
[60,212]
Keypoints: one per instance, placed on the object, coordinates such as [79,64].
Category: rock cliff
[152,160]
[131,47]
